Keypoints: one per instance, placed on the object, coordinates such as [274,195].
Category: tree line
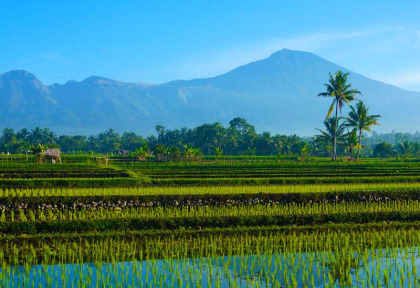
[239,138]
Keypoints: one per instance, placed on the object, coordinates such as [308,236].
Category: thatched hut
[53,154]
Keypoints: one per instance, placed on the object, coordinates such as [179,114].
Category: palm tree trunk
[335,133]
[360,143]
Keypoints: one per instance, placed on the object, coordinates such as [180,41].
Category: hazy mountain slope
[102,103]
[276,94]
[28,103]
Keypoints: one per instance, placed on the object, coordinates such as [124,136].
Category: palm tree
[403,149]
[218,151]
[352,141]
[331,135]
[341,92]
[360,120]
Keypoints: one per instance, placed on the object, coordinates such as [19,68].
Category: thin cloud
[406,78]
[52,56]
[355,50]
[222,61]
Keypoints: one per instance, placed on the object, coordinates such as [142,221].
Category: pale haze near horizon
[160,41]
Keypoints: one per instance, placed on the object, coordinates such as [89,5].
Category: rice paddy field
[260,223]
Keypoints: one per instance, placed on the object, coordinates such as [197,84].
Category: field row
[198,223]
[59,171]
[364,257]
[29,215]
[145,181]
[182,244]
[323,164]
[199,174]
[209,190]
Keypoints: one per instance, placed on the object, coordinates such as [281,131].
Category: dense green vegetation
[239,138]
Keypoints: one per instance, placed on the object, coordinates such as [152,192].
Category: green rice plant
[213,211]
[201,190]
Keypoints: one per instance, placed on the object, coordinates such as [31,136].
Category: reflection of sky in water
[291,270]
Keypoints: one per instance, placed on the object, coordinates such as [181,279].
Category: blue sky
[158,41]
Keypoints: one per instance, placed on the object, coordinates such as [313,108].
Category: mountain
[25,100]
[276,94]
[100,103]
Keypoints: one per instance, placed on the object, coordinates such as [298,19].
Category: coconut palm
[341,92]
[331,135]
[360,120]
[403,149]
[351,142]
[218,151]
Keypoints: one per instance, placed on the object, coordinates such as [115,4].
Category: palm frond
[330,110]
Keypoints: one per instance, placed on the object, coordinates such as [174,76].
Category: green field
[212,223]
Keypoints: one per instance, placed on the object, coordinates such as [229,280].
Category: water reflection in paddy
[369,268]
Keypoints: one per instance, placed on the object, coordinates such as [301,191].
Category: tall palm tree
[332,135]
[341,92]
[360,120]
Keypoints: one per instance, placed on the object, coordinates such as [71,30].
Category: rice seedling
[334,259]
[216,190]
[211,211]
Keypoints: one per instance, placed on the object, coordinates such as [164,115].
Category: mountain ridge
[277,94]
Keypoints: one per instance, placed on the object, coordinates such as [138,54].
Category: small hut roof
[52,152]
